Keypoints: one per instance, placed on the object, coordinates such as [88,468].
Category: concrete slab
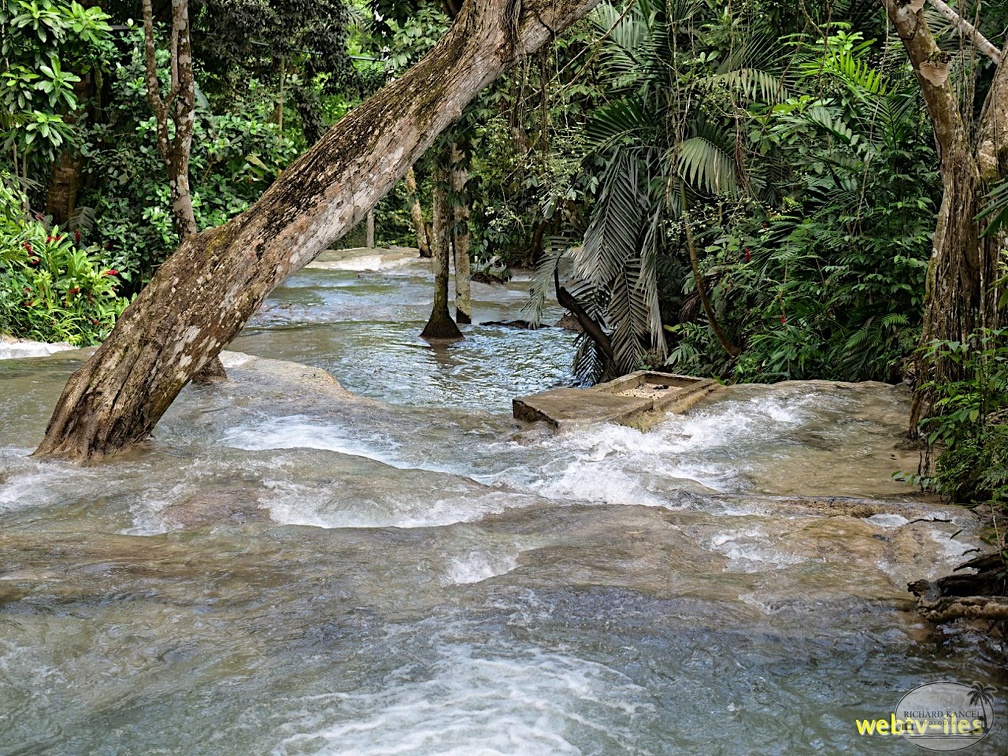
[639,400]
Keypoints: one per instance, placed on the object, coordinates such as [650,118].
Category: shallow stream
[397,566]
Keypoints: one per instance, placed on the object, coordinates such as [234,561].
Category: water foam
[476,702]
[477,566]
[15,350]
[300,432]
[748,550]
[298,504]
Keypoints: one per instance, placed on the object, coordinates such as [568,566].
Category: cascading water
[288,568]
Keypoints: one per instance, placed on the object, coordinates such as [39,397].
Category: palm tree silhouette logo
[983,695]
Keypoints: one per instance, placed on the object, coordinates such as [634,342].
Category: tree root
[974,596]
[964,607]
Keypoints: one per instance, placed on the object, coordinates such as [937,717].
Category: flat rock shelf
[639,400]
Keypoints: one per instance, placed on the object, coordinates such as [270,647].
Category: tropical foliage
[793,202]
[52,288]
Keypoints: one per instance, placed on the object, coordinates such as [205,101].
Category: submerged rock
[235,506]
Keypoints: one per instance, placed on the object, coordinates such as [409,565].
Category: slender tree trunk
[960,295]
[440,326]
[538,238]
[64,183]
[176,148]
[725,342]
[181,197]
[460,233]
[369,240]
[61,200]
[423,231]
[179,107]
[204,293]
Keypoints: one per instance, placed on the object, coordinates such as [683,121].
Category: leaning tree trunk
[440,326]
[960,294]
[204,293]
[460,234]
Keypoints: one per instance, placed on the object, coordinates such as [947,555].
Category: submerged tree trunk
[460,233]
[440,326]
[960,295]
[204,293]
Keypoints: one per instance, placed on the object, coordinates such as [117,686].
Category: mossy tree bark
[205,292]
[961,294]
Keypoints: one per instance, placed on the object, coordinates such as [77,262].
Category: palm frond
[617,122]
[614,230]
[705,163]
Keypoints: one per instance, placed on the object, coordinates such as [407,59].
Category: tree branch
[992,131]
[588,324]
[722,337]
[182,70]
[931,66]
[967,29]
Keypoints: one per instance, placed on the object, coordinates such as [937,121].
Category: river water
[397,566]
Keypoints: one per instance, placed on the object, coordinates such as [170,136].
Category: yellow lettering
[963,726]
[895,725]
[977,726]
[882,726]
[865,726]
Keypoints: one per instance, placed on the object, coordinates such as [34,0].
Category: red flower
[111,272]
[783,319]
[74,290]
[77,236]
[29,248]
[27,289]
[48,239]
[748,255]
[33,261]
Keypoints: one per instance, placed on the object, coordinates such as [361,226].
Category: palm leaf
[705,164]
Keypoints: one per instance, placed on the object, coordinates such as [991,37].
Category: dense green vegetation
[746,190]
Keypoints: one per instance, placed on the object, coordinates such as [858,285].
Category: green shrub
[970,426]
[235,157]
[51,288]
